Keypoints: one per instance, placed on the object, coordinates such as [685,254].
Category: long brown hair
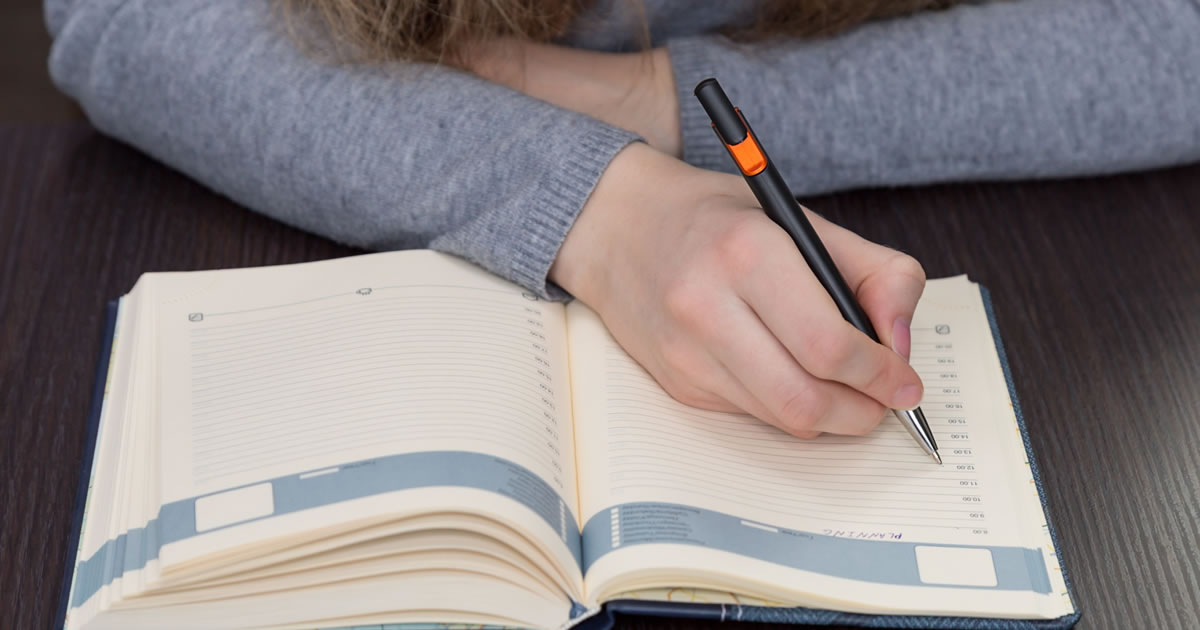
[433,30]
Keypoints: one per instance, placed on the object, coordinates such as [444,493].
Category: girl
[557,144]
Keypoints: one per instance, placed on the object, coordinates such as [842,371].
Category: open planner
[403,438]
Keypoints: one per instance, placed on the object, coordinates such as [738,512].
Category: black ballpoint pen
[779,204]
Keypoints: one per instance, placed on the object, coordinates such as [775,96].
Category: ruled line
[671,451]
[317,377]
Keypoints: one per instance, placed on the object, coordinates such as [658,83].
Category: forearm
[1027,88]
[379,158]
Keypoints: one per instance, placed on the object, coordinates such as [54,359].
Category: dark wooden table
[1096,284]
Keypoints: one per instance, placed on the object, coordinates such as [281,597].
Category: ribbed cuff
[692,62]
[558,201]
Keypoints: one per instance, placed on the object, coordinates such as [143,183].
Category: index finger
[887,282]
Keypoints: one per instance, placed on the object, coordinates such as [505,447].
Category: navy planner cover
[679,610]
[89,450]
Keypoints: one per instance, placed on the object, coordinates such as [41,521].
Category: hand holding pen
[781,206]
[716,303]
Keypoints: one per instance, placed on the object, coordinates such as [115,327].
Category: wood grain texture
[26,92]
[1096,284]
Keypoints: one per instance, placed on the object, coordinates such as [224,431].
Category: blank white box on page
[959,566]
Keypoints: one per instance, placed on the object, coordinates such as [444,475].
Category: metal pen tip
[918,427]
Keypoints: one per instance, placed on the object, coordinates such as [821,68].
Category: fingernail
[902,338]
[907,397]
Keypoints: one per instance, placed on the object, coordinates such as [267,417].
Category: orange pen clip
[746,154]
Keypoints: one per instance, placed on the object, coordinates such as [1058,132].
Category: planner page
[302,400]
[674,496]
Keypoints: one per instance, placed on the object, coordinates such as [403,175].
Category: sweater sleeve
[1013,89]
[382,157]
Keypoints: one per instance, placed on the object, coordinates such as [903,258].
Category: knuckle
[873,417]
[803,408]
[740,248]
[828,353]
[688,394]
[688,397]
[677,356]
[685,303]
[906,265]
[683,376]
[705,400]
[671,384]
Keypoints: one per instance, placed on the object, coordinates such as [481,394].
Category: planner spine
[91,428]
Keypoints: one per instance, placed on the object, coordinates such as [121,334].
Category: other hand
[633,91]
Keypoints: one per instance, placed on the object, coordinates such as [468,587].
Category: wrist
[656,114]
[638,191]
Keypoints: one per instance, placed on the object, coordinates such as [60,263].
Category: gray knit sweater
[390,158]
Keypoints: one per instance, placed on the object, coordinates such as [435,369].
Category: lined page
[268,372]
[639,445]
[341,374]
